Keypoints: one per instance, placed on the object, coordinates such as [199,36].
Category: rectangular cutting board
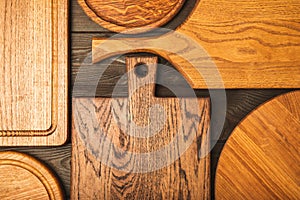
[140,147]
[34,72]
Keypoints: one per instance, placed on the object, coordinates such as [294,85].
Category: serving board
[253,45]
[24,177]
[119,15]
[34,71]
[120,146]
[261,158]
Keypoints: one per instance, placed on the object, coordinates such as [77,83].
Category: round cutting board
[120,15]
[261,158]
[24,177]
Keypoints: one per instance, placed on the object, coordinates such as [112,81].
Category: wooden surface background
[239,102]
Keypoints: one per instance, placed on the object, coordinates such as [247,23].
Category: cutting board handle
[146,114]
[141,75]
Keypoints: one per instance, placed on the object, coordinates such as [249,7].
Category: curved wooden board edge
[218,76]
[116,26]
[190,60]
[48,179]
[250,49]
[261,157]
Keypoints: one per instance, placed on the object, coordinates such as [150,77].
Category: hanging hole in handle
[141,69]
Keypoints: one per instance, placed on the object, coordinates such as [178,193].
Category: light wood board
[23,177]
[261,158]
[186,177]
[34,72]
[254,45]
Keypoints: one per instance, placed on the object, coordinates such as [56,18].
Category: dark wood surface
[239,102]
[188,176]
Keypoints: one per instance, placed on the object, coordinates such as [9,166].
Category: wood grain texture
[23,177]
[115,69]
[56,158]
[261,158]
[81,23]
[119,16]
[185,178]
[239,102]
[33,65]
[240,40]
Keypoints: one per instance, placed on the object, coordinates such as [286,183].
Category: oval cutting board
[261,158]
[24,177]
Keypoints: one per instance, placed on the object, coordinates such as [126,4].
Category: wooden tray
[34,72]
[254,45]
[261,158]
[124,177]
[23,177]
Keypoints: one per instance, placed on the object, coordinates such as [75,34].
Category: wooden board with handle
[120,145]
[34,72]
[261,158]
[24,177]
[254,45]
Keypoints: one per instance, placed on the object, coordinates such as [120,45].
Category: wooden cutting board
[113,159]
[24,177]
[261,158]
[253,45]
[34,72]
[118,15]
